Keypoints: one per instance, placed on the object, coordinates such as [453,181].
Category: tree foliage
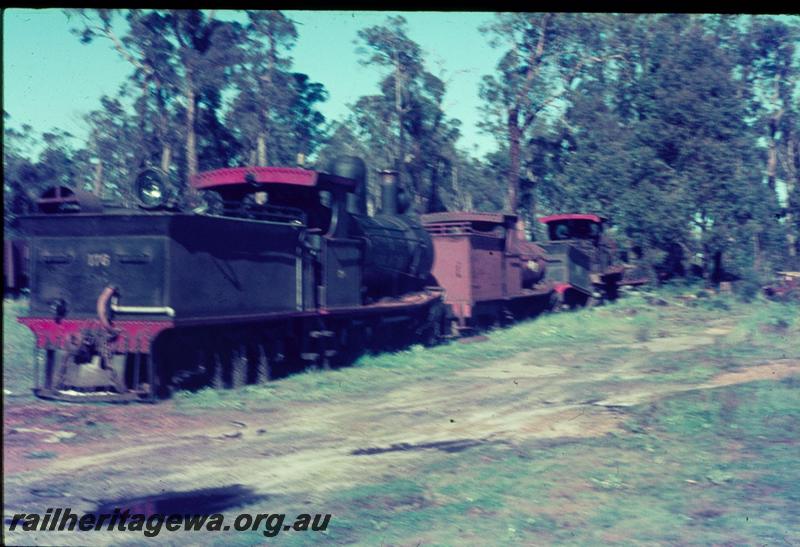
[405,123]
[684,130]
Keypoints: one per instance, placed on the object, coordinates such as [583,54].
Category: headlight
[150,189]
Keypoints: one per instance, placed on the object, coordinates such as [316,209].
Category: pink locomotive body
[489,272]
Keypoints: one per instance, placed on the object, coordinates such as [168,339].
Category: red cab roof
[231,176]
[571,216]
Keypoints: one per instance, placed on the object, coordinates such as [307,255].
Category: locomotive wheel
[436,324]
[219,361]
[436,330]
[239,367]
[506,317]
[258,370]
[611,291]
[556,302]
[231,368]
[205,365]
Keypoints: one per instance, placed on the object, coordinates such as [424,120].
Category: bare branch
[567,83]
[119,46]
[535,60]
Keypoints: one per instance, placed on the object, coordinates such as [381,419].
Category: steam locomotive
[290,271]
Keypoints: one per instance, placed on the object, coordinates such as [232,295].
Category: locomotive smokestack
[388,191]
[353,167]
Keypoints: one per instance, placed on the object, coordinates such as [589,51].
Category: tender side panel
[75,270]
[487,268]
[78,269]
[232,267]
[74,257]
[452,267]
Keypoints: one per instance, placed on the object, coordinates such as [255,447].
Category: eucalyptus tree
[695,121]
[662,140]
[390,47]
[146,47]
[263,84]
[115,165]
[206,52]
[767,51]
[405,121]
[20,177]
[544,55]
[177,55]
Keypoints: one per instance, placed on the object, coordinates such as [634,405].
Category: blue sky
[50,79]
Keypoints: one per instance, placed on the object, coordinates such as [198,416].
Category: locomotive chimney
[353,167]
[388,192]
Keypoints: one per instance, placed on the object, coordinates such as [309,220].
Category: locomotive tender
[289,271]
[126,304]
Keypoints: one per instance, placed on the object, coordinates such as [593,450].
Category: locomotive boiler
[287,271]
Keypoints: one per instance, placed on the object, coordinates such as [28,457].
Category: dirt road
[297,453]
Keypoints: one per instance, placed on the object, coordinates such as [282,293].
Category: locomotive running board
[407,302]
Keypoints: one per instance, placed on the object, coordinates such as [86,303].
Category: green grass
[706,466]
[764,330]
[714,466]
[18,342]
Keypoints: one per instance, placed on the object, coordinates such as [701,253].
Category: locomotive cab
[313,202]
[583,256]
[567,227]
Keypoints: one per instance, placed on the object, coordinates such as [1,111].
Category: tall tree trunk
[416,168]
[166,148]
[531,216]
[417,197]
[792,185]
[398,106]
[514,146]
[98,169]
[433,196]
[192,196]
[98,178]
[261,147]
[269,79]
[461,202]
[772,154]
[166,158]
[191,136]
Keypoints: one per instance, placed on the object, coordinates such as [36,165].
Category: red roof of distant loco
[296,176]
[571,216]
